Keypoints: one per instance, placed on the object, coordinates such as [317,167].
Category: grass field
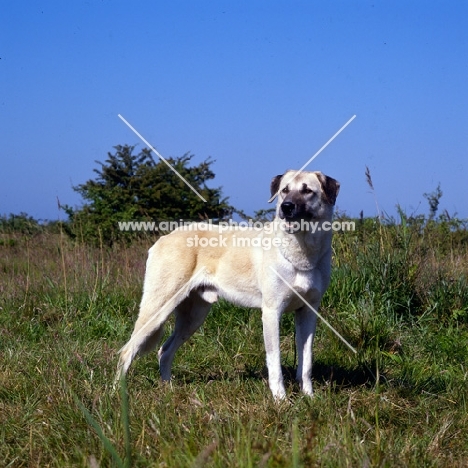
[399,294]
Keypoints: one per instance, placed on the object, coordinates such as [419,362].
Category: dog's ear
[330,187]
[274,186]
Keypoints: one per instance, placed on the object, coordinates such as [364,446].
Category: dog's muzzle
[292,212]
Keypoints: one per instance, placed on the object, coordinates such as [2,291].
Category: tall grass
[399,295]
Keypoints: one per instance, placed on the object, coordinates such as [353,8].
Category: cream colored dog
[190,268]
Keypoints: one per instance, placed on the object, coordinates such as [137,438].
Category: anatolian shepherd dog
[188,270]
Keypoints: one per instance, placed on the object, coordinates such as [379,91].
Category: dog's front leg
[306,321]
[271,320]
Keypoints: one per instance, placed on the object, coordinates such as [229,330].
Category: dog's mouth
[296,216]
[296,222]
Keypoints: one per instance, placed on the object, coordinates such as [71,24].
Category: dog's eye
[307,190]
[286,189]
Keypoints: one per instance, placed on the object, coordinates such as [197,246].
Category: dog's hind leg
[190,315]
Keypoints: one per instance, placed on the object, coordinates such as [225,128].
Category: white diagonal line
[315,311]
[160,157]
[327,143]
[316,154]
[168,302]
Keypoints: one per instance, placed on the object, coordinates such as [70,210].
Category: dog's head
[304,195]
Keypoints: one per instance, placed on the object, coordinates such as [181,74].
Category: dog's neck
[302,248]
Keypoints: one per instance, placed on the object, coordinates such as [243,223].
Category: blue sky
[259,86]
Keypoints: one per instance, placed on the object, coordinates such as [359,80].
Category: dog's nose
[287,208]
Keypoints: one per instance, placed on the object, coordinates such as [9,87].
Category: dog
[189,269]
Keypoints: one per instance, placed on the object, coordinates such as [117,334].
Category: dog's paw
[279,394]
[307,390]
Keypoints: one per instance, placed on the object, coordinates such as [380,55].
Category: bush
[133,187]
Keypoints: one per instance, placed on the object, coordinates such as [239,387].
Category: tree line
[132,186]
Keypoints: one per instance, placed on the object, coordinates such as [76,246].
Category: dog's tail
[155,308]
